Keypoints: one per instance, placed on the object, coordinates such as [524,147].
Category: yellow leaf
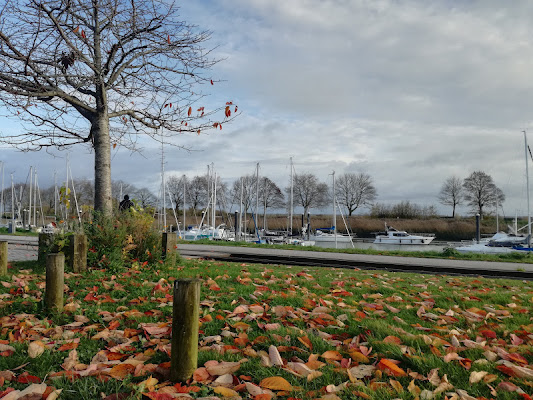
[276,383]
[225,392]
[359,357]
[396,385]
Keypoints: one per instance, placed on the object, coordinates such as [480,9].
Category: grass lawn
[268,331]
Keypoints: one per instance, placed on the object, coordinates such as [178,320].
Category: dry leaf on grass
[276,383]
[36,348]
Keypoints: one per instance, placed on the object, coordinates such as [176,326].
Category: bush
[123,239]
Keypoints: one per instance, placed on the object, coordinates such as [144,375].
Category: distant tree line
[353,191]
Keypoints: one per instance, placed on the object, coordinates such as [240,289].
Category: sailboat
[328,237]
[503,243]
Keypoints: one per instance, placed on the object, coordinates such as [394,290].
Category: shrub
[127,237]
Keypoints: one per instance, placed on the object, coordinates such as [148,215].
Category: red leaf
[114,145]
[168,39]
[506,370]
[28,379]
[220,126]
[189,112]
[489,334]
[236,108]
[83,34]
[211,81]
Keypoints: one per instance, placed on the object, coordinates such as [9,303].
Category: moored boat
[394,236]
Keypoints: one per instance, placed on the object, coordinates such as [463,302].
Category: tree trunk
[102,166]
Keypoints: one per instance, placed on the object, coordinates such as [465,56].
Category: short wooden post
[55,281]
[77,252]
[3,258]
[45,241]
[169,244]
[185,318]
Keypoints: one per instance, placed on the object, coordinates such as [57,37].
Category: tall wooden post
[77,252]
[55,281]
[3,258]
[169,244]
[185,318]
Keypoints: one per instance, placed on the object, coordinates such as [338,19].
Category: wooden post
[185,318]
[55,281]
[77,252]
[45,241]
[3,258]
[169,244]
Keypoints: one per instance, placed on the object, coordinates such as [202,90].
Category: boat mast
[334,211]
[214,199]
[29,206]
[13,226]
[527,190]
[164,204]
[292,195]
[257,200]
[240,213]
[184,209]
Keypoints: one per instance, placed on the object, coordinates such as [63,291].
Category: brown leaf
[332,355]
[120,371]
[274,356]
[70,361]
[36,348]
[276,383]
[222,368]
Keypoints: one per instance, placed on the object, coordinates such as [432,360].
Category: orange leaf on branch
[189,112]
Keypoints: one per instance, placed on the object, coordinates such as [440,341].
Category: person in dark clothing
[125,204]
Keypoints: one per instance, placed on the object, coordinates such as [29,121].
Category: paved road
[22,248]
[414,264]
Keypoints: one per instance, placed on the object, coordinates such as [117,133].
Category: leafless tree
[103,73]
[480,191]
[451,193]
[270,195]
[355,190]
[197,192]
[309,192]
[176,188]
[145,198]
[247,186]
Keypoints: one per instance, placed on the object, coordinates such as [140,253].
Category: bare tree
[451,193]
[480,191]
[176,189]
[270,195]
[309,192]
[247,186]
[144,197]
[197,192]
[355,190]
[101,73]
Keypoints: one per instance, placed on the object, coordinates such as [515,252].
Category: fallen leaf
[276,383]
[36,348]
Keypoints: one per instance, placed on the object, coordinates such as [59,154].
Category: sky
[410,92]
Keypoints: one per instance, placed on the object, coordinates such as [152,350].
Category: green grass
[411,318]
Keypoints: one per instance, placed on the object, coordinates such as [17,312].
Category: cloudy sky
[411,92]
